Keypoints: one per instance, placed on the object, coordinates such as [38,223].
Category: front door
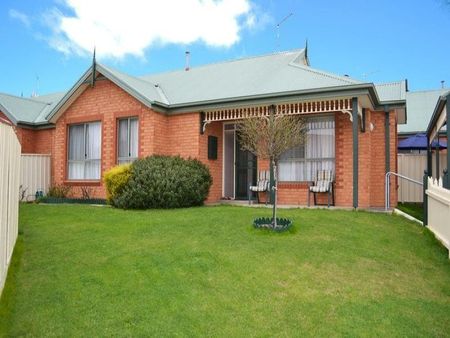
[245,171]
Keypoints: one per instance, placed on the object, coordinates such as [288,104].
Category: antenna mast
[278,28]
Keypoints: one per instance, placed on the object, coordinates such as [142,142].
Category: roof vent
[188,57]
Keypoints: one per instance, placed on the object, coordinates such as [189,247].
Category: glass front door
[245,171]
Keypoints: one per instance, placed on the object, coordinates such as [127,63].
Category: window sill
[83,182]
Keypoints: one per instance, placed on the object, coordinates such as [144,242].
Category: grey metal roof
[420,106]
[392,91]
[267,75]
[273,73]
[28,110]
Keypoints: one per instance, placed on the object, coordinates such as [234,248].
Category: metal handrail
[388,186]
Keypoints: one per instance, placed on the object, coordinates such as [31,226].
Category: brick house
[109,117]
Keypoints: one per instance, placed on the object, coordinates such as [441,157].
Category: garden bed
[57,200]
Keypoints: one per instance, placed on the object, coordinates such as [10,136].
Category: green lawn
[413,209]
[95,271]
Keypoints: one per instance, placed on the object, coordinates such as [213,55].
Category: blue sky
[377,41]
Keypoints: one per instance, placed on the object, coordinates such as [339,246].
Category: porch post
[355,150]
[447,180]
[387,140]
[429,158]
[438,172]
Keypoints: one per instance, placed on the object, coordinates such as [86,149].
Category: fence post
[425,198]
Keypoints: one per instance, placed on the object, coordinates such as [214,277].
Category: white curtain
[123,139]
[318,153]
[134,138]
[76,152]
[93,151]
[84,151]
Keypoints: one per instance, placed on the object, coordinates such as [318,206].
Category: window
[317,153]
[127,140]
[84,151]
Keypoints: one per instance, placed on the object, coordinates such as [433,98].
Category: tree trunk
[275,195]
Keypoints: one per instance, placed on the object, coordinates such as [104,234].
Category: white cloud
[23,18]
[119,28]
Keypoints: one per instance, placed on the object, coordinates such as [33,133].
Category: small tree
[269,137]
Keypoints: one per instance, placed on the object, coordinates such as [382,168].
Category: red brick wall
[33,141]
[106,103]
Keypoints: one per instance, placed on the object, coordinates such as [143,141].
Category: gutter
[350,90]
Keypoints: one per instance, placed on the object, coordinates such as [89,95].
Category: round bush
[165,182]
[115,180]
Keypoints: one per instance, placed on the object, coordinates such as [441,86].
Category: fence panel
[413,166]
[35,174]
[9,196]
[439,211]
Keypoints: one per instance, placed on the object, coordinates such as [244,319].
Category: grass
[413,209]
[95,271]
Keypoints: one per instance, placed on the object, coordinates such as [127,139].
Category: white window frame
[311,160]
[85,160]
[129,158]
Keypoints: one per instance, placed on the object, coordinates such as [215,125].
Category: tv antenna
[366,75]
[278,28]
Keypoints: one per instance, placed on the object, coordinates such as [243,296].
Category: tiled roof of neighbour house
[269,75]
[420,106]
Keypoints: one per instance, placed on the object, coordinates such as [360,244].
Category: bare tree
[269,137]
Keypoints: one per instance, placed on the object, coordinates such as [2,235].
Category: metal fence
[9,196]
[413,166]
[35,175]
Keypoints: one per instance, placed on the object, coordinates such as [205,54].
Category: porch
[337,128]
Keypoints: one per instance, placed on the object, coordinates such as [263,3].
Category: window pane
[76,170]
[301,163]
[84,151]
[134,138]
[76,142]
[92,170]
[93,141]
[123,138]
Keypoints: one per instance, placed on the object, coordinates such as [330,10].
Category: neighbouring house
[438,129]
[420,106]
[109,117]
[413,144]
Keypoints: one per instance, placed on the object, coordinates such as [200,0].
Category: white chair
[323,183]
[262,185]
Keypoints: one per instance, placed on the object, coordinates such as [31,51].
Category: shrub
[115,180]
[165,182]
[59,191]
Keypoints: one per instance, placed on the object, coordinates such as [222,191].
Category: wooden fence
[35,175]
[9,196]
[413,166]
[439,211]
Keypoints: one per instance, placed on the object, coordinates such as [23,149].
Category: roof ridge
[298,50]
[428,90]
[139,78]
[389,83]
[327,74]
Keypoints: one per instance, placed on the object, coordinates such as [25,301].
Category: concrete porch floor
[245,203]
